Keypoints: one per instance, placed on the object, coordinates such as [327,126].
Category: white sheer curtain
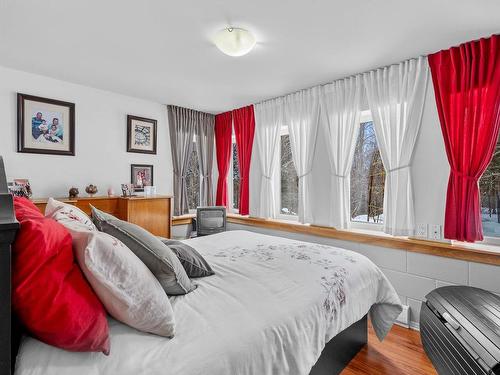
[268,122]
[340,113]
[302,117]
[396,96]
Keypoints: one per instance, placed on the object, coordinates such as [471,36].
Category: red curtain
[244,128]
[467,89]
[223,133]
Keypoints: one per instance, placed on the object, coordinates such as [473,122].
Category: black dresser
[460,330]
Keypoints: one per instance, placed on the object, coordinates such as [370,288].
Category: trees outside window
[193,180]
[289,181]
[367,178]
[236,178]
[489,187]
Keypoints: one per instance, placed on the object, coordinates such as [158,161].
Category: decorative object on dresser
[91,190]
[45,126]
[73,193]
[141,135]
[111,192]
[149,190]
[141,175]
[151,213]
[460,330]
[127,190]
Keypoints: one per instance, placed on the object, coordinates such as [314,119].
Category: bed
[274,306]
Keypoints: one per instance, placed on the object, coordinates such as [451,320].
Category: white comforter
[270,309]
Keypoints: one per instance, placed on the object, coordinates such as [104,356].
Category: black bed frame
[335,356]
[9,333]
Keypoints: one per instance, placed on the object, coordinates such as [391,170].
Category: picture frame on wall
[141,135]
[141,175]
[45,126]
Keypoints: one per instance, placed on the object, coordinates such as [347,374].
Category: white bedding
[269,310]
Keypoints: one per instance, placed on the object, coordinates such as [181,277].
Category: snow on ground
[491,226]
[364,219]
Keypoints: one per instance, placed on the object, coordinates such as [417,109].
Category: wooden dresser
[151,213]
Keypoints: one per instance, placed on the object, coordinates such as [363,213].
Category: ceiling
[161,50]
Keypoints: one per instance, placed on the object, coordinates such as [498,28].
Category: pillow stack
[49,293]
[126,287]
[130,272]
[159,258]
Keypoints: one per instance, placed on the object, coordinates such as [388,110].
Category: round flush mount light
[234,41]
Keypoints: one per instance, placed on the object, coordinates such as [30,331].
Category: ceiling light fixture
[234,41]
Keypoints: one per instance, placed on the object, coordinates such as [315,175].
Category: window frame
[283,131]
[365,116]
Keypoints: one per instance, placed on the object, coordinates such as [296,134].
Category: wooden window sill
[183,219]
[480,253]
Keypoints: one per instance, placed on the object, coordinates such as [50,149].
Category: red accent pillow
[49,292]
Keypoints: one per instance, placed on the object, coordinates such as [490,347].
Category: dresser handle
[452,322]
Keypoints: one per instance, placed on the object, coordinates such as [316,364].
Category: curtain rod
[356,74]
[338,79]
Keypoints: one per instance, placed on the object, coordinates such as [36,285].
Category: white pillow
[68,212]
[125,286]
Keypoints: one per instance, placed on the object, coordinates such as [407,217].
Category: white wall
[101,133]
[430,170]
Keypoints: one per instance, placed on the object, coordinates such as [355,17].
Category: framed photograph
[141,175]
[45,126]
[141,135]
[20,187]
[127,190]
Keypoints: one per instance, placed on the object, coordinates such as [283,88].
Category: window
[235,178]
[193,180]
[489,187]
[367,177]
[289,181]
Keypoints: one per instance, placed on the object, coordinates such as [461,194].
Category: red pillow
[49,293]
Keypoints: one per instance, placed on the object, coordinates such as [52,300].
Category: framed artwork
[141,175]
[20,187]
[141,135]
[45,126]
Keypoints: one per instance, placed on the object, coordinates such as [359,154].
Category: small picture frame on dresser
[141,135]
[141,175]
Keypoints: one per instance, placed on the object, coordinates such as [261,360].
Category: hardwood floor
[401,353]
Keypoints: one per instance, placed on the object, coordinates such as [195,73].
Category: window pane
[236,178]
[367,178]
[489,186]
[289,180]
[193,180]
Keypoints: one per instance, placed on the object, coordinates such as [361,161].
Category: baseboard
[404,318]
[415,326]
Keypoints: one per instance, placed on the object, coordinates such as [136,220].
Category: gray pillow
[158,257]
[192,261]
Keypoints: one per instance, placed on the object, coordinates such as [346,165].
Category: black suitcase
[460,330]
